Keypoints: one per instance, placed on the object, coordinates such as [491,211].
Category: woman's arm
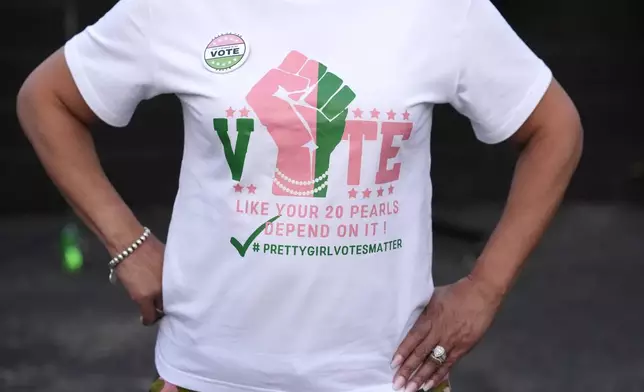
[551,146]
[458,315]
[55,118]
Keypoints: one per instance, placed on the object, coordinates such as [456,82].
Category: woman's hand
[141,275]
[456,318]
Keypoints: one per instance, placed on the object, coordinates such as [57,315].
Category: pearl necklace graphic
[301,183]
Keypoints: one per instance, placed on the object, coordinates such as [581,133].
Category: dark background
[574,322]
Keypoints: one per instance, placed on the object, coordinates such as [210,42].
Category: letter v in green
[236,157]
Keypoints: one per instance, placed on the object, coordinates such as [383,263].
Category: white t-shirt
[300,247]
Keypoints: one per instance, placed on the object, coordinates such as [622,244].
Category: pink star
[230,112]
[366,193]
[380,191]
[238,188]
[375,113]
[406,115]
[244,112]
[357,113]
[251,189]
[391,115]
[391,189]
[353,193]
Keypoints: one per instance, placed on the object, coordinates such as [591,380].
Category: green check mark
[243,248]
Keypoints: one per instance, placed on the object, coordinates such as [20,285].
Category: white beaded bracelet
[126,253]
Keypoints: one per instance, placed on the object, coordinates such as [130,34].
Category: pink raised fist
[304,108]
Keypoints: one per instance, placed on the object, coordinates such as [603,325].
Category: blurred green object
[70,243]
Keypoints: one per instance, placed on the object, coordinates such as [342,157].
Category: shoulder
[453,10]
[440,17]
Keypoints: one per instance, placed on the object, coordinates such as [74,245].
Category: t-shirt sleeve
[110,62]
[500,80]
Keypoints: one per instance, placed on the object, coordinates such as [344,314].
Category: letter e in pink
[389,151]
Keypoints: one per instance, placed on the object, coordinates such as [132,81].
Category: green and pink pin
[225,53]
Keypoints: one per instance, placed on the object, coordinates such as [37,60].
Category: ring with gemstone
[438,355]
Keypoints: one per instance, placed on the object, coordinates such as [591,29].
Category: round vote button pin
[225,53]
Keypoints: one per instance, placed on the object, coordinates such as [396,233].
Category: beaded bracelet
[126,253]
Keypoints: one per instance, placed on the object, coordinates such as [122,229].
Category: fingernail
[397,361]
[428,385]
[143,322]
[412,387]
[399,382]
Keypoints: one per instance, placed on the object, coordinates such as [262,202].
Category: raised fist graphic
[304,107]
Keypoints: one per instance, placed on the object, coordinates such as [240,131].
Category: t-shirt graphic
[304,107]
